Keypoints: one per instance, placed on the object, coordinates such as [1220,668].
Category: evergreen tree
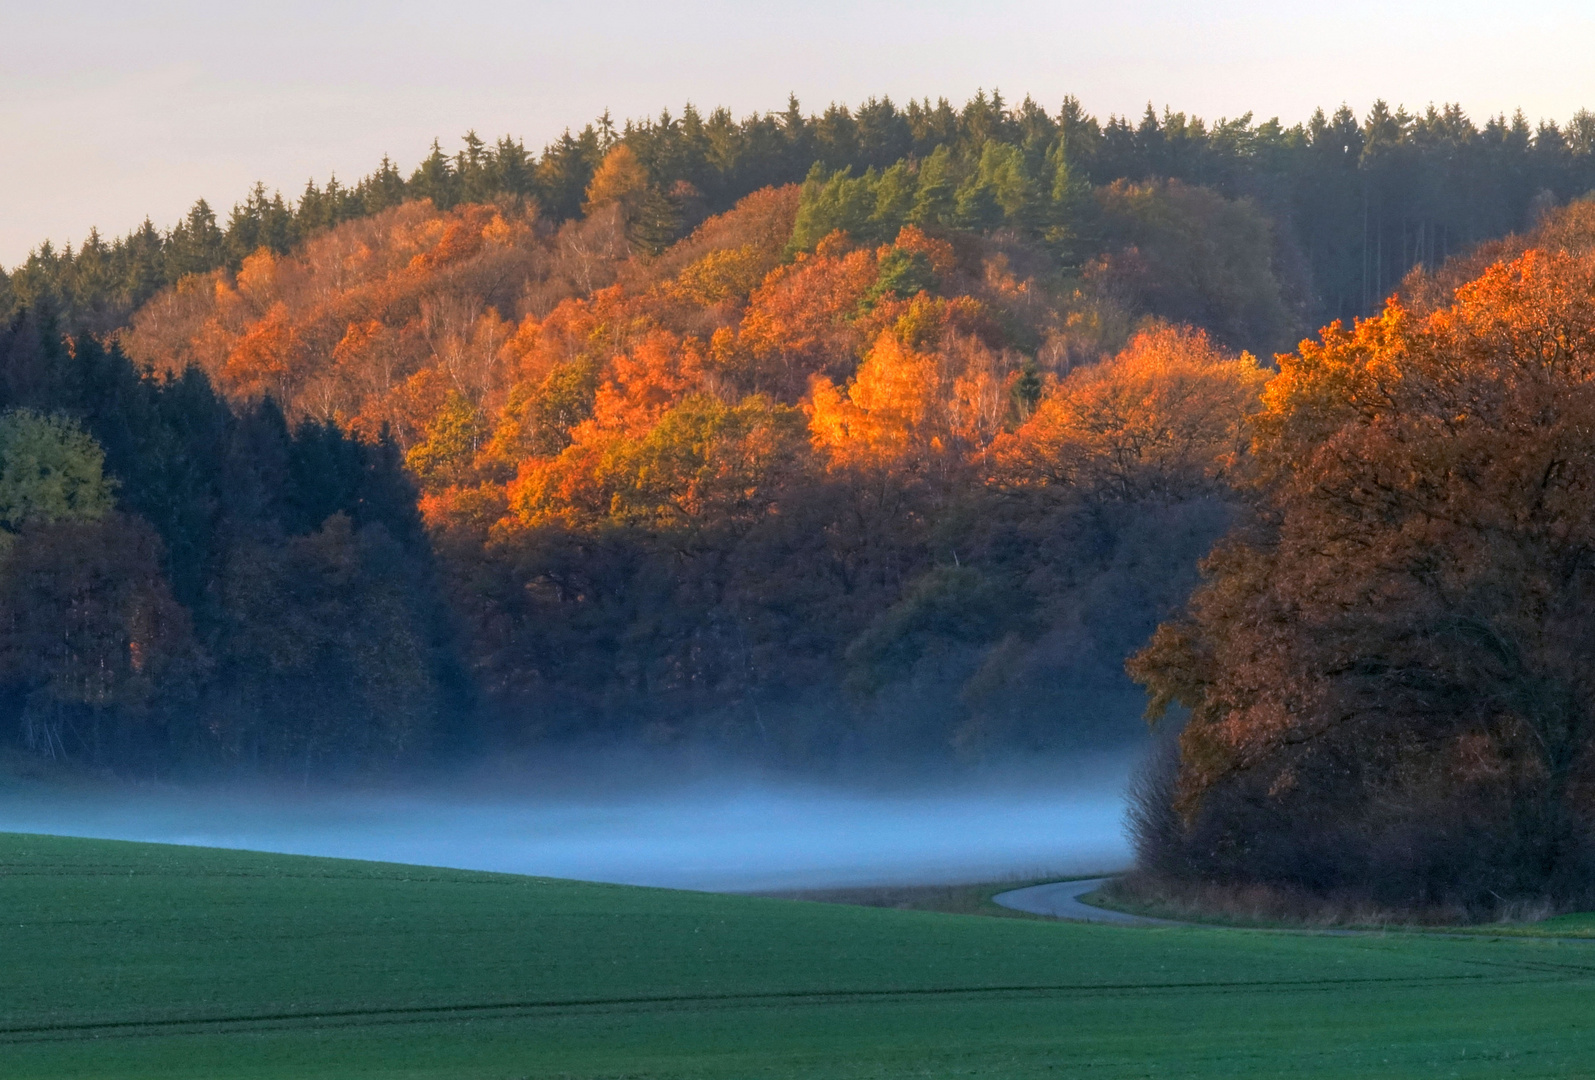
[435,179]
[382,189]
[195,245]
[894,199]
[935,200]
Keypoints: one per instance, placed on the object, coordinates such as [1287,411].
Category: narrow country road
[1061,900]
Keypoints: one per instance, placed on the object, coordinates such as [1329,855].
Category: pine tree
[935,199]
[382,189]
[435,179]
[195,246]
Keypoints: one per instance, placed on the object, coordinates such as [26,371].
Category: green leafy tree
[447,454]
[1003,169]
[50,470]
[903,274]
[435,178]
[1069,220]
[976,206]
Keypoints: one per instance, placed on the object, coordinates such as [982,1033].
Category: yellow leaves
[896,382]
[503,233]
[882,420]
[704,463]
[257,277]
[719,277]
[928,394]
[831,415]
[924,322]
[907,408]
[620,177]
[453,436]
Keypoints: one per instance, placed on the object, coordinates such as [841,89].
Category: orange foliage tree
[1388,673]
[1166,416]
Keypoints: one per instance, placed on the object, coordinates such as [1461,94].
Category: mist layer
[713,834]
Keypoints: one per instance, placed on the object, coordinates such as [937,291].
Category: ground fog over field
[671,825]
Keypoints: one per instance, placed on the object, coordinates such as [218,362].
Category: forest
[883,431]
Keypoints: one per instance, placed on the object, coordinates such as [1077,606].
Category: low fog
[666,823]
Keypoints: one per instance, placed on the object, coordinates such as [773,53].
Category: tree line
[1360,202]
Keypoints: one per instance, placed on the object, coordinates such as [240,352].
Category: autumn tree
[1165,417]
[1387,673]
[453,438]
[621,185]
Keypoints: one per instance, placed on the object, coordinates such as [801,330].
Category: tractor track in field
[424,1014]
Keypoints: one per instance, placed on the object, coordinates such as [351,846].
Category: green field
[132,960]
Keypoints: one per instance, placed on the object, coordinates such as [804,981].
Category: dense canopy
[883,429]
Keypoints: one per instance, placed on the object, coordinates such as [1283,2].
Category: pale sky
[113,111]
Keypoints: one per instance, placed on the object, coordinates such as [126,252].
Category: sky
[114,111]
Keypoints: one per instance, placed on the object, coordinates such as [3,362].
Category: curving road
[1061,900]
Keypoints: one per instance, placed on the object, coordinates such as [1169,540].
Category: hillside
[777,482]
[634,441]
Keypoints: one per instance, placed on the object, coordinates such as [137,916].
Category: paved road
[1061,900]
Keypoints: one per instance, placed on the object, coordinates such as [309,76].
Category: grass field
[131,960]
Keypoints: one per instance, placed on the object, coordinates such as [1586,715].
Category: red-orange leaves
[647,379]
[799,321]
[912,409]
[335,328]
[888,416]
[1419,585]
[267,359]
[1166,416]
